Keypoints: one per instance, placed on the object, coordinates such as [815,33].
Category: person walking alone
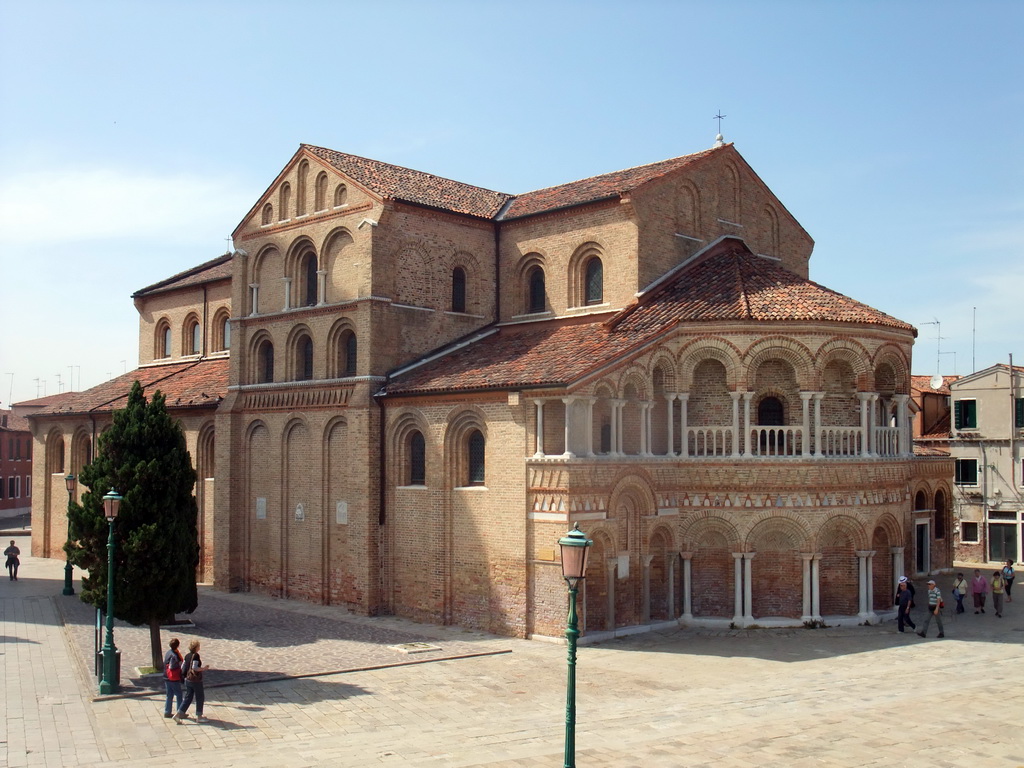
[997,593]
[934,609]
[12,553]
[979,588]
[1008,577]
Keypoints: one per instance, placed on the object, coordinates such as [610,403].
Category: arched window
[163,339]
[268,214]
[286,199]
[221,331]
[417,459]
[475,452]
[309,280]
[458,290]
[348,353]
[304,359]
[940,515]
[320,201]
[537,295]
[300,188]
[920,501]
[594,281]
[770,413]
[606,438]
[194,337]
[265,363]
[227,334]
[340,195]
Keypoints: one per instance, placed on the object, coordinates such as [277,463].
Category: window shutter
[958,419]
[1018,416]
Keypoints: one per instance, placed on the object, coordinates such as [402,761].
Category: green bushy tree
[143,457]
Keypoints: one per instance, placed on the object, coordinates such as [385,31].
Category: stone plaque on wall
[261,508]
[341,513]
[300,511]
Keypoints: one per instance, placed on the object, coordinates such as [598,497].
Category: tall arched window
[594,281]
[265,363]
[163,339]
[537,295]
[348,352]
[417,459]
[304,359]
[458,290]
[268,214]
[194,337]
[286,199]
[320,201]
[309,280]
[300,188]
[340,195]
[940,515]
[475,453]
[221,331]
[227,334]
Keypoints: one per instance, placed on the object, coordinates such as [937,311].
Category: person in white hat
[934,609]
[903,598]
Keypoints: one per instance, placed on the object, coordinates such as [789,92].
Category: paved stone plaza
[303,685]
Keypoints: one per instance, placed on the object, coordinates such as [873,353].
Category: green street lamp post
[69,483]
[109,683]
[575,548]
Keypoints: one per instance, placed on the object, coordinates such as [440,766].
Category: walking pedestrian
[903,612]
[193,666]
[934,609]
[997,593]
[979,588]
[1008,577]
[959,592]
[12,553]
[172,676]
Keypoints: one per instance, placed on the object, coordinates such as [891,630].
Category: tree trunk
[155,645]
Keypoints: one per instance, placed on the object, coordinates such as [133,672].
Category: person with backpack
[193,666]
[960,592]
[12,553]
[1008,577]
[172,675]
[903,613]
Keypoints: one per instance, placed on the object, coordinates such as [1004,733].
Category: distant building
[430,382]
[15,464]
[987,444]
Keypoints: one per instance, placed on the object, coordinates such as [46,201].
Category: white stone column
[737,577]
[862,591]
[902,433]
[735,423]
[816,587]
[806,614]
[671,438]
[684,443]
[589,442]
[897,566]
[865,422]
[568,402]
[539,453]
[687,585]
[747,397]
[805,398]
[645,432]
[670,567]
[287,292]
[748,588]
[872,616]
[321,287]
[617,437]
[254,289]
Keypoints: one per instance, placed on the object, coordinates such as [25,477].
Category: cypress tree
[143,457]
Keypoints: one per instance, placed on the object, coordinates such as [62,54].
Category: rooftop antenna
[228,241]
[37,386]
[719,141]
[10,396]
[60,384]
[938,343]
[974,339]
[953,353]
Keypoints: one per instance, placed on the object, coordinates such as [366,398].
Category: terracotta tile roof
[400,183]
[923,384]
[596,187]
[9,422]
[193,384]
[207,272]
[46,401]
[931,450]
[731,284]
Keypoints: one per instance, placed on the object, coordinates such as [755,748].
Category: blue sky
[134,136]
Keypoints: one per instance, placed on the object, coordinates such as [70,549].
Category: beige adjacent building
[428,383]
[987,444]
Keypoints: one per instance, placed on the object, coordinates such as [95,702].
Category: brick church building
[400,390]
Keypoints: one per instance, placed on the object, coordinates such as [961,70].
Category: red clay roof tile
[207,272]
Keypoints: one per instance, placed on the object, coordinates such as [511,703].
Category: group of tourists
[187,670]
[1000,584]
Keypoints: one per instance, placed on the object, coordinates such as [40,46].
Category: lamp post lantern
[69,483]
[575,548]
[109,683]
